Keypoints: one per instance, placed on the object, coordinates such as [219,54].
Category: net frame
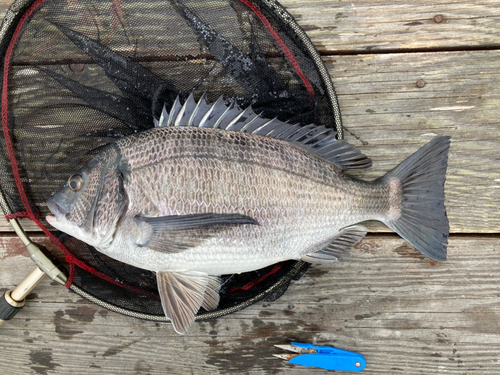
[20,12]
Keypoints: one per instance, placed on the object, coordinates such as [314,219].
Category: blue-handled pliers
[325,357]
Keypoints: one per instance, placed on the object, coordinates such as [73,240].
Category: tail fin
[417,199]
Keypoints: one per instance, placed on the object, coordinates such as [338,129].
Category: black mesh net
[78,75]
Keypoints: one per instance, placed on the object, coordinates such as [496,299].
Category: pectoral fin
[176,233]
[182,295]
[339,246]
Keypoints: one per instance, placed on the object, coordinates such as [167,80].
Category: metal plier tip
[325,357]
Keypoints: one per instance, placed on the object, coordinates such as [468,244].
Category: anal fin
[183,293]
[339,246]
[212,297]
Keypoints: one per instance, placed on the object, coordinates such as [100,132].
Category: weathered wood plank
[4,5]
[367,25]
[405,314]
[27,225]
[378,26]
[388,116]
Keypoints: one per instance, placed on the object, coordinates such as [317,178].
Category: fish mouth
[56,211]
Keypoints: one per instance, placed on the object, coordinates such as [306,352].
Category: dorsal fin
[318,140]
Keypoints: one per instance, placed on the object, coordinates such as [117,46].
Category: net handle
[14,300]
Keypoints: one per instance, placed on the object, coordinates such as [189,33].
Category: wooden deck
[405,71]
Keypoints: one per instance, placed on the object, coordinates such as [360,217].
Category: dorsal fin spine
[204,121]
[248,117]
[318,140]
[221,117]
[256,131]
[173,112]
[256,118]
[235,120]
[322,144]
[203,106]
[273,132]
[177,120]
[163,118]
[280,130]
[296,137]
[288,131]
[324,133]
[195,111]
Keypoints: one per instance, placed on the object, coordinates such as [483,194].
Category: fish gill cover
[78,75]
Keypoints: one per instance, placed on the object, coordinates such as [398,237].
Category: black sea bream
[214,189]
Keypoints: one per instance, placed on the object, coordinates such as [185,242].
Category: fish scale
[192,201]
[286,195]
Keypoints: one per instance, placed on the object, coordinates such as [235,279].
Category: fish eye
[75,182]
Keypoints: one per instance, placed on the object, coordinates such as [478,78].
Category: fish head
[92,201]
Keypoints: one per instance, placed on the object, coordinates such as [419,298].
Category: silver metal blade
[296,349]
[286,357]
[290,348]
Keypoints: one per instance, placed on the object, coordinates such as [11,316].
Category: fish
[214,189]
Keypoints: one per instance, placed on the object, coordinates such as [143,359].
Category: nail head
[76,68]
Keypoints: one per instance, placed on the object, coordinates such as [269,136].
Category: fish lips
[59,220]
[57,212]
[61,203]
